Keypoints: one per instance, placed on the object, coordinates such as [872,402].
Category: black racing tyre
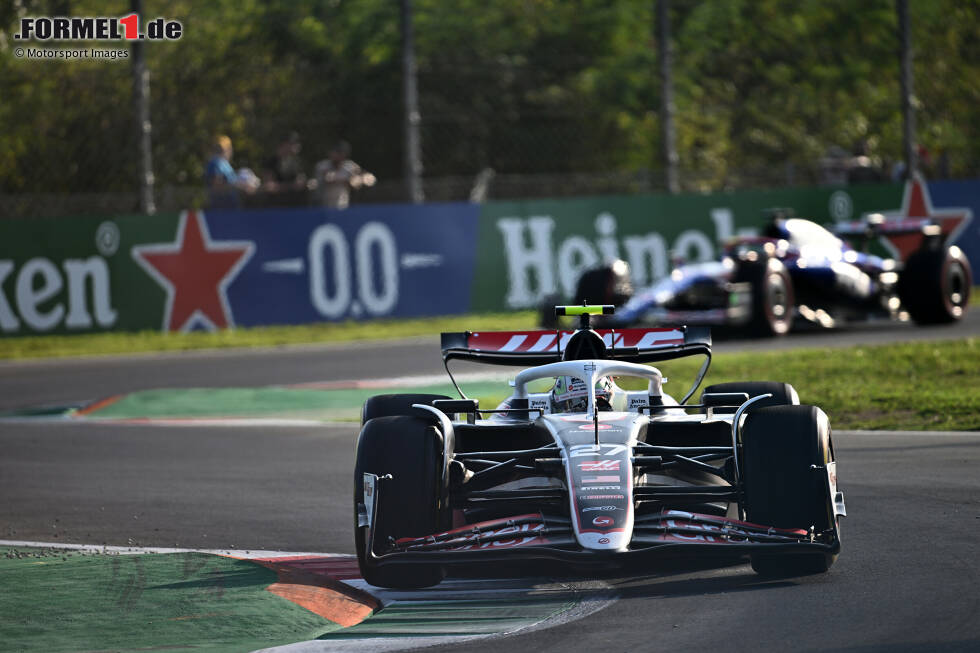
[783,394]
[410,449]
[779,446]
[772,296]
[935,284]
[388,405]
[609,284]
[546,317]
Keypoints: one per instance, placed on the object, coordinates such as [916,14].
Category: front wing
[536,536]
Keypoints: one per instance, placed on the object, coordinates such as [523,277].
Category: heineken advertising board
[221,269]
[547,244]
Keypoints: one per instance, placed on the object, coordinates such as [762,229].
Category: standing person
[337,175]
[222,182]
[284,170]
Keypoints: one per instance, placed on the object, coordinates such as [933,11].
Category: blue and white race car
[575,470]
[798,270]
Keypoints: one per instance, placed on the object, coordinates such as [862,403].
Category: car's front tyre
[410,503]
[783,394]
[784,449]
[773,304]
[394,404]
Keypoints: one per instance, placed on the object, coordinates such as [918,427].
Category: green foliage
[273,336]
[523,86]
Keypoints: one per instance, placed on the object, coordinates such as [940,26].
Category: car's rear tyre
[608,284]
[772,297]
[783,394]
[546,315]
[388,405]
[935,284]
[780,444]
[410,505]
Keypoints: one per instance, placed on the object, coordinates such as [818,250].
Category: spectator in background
[923,164]
[283,172]
[337,175]
[222,182]
[862,168]
[833,167]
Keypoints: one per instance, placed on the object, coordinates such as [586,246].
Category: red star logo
[196,272]
[917,206]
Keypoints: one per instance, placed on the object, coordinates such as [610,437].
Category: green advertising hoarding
[132,272]
[535,248]
[76,275]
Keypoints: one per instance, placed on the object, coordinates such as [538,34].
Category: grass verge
[917,386]
[272,336]
[913,386]
[53,346]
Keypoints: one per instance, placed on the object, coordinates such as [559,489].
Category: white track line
[236,422]
[138,550]
[600,596]
[221,352]
[936,434]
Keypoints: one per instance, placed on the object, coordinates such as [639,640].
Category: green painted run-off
[55,601]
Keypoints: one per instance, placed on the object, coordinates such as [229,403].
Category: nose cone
[614,540]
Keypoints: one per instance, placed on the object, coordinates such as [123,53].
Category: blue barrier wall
[364,262]
[965,194]
[217,269]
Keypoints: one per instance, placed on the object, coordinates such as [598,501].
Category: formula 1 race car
[588,475]
[796,269]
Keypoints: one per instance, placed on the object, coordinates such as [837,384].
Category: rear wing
[903,236]
[876,225]
[528,348]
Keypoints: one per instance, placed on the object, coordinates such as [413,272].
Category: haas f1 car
[589,475]
[797,270]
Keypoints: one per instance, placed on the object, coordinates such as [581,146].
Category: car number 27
[579,450]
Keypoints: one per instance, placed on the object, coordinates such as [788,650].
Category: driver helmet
[571,394]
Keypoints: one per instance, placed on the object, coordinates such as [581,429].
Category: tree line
[761,87]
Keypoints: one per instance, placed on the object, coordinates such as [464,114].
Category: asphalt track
[64,381]
[906,581]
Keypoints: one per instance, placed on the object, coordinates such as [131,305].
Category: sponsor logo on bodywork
[482,536]
[601,479]
[601,427]
[609,450]
[599,466]
[524,535]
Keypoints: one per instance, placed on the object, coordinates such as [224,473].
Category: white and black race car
[590,475]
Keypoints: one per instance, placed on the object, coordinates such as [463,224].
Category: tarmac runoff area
[71,597]
[91,597]
[74,597]
[291,405]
